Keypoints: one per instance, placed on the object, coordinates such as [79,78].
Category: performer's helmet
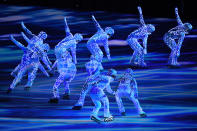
[129,71]
[43,35]
[78,37]
[187,26]
[150,28]
[109,31]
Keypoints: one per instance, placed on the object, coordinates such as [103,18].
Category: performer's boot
[123,113]
[95,118]
[53,100]
[143,115]
[107,119]
[9,90]
[66,96]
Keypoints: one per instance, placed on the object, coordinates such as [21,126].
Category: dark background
[154,8]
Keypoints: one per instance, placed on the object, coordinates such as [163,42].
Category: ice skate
[9,91]
[123,113]
[107,119]
[96,119]
[77,106]
[143,115]
[53,100]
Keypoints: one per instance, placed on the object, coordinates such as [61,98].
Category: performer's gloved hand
[75,61]
[139,9]
[178,53]
[12,74]
[108,57]
[176,10]
[145,51]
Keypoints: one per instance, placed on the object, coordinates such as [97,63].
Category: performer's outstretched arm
[29,42]
[25,29]
[43,70]
[73,51]
[54,65]
[106,47]
[26,38]
[96,23]
[17,43]
[141,16]
[178,17]
[109,90]
[145,44]
[67,29]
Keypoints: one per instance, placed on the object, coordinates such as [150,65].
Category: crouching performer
[133,39]
[176,34]
[67,70]
[96,89]
[128,88]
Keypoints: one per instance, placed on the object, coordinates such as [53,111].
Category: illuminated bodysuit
[97,94]
[95,84]
[101,37]
[67,70]
[93,68]
[29,63]
[176,34]
[65,63]
[128,88]
[133,40]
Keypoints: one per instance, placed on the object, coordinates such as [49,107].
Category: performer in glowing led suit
[96,88]
[93,68]
[128,88]
[67,71]
[29,63]
[177,33]
[102,37]
[133,40]
[70,41]
[65,63]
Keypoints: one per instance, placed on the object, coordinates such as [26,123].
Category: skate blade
[143,115]
[95,119]
[108,119]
